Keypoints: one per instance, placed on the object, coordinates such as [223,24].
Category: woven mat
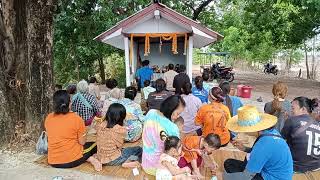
[122,173]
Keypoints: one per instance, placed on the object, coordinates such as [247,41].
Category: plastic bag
[42,144]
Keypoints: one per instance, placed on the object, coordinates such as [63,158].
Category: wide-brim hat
[250,120]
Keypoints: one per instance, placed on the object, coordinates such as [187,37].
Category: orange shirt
[63,132]
[213,118]
[190,143]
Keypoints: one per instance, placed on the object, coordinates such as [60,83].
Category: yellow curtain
[162,36]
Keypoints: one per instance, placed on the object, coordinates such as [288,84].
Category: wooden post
[190,57]
[126,50]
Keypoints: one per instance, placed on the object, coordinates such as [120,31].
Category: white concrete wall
[156,26]
[166,57]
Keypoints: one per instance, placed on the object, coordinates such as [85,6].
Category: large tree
[26,76]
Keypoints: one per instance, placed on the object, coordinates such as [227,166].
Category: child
[169,168]
[179,122]
[110,139]
[199,91]
[196,146]
[145,93]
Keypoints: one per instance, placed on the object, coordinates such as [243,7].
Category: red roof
[164,10]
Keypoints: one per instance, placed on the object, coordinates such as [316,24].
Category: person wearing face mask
[155,122]
[302,133]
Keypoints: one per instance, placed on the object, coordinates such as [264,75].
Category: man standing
[169,76]
[144,73]
[180,79]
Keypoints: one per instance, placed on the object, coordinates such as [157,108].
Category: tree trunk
[306,58]
[26,80]
[313,65]
[102,71]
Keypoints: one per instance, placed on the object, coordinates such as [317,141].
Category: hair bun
[314,103]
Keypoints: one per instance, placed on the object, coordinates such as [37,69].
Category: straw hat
[250,120]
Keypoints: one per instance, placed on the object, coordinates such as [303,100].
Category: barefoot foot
[96,163]
[133,164]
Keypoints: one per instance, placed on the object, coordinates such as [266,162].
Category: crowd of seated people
[180,126]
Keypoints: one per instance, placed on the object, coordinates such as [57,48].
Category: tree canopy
[253,29]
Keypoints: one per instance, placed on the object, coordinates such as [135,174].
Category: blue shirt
[144,73]
[201,94]
[236,104]
[271,157]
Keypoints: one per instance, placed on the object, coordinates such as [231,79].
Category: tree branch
[197,11]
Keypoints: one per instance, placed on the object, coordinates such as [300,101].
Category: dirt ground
[19,165]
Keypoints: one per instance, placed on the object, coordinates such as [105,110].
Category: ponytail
[307,103]
[169,141]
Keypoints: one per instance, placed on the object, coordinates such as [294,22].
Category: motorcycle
[271,69]
[222,72]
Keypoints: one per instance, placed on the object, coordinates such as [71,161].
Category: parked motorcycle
[270,69]
[222,72]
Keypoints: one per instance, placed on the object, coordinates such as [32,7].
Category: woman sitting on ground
[279,107]
[110,140]
[214,116]
[67,146]
[232,102]
[71,90]
[94,88]
[155,122]
[270,156]
[193,105]
[134,119]
[156,98]
[199,91]
[302,133]
[113,90]
[207,85]
[84,104]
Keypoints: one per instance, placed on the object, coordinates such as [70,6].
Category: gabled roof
[167,13]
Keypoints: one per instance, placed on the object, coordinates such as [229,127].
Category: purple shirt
[193,104]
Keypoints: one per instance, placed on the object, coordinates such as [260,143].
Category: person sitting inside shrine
[270,156]
[169,77]
[85,104]
[180,79]
[302,133]
[199,91]
[156,98]
[67,146]
[144,73]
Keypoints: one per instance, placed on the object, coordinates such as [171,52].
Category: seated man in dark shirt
[302,133]
[156,98]
[180,79]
